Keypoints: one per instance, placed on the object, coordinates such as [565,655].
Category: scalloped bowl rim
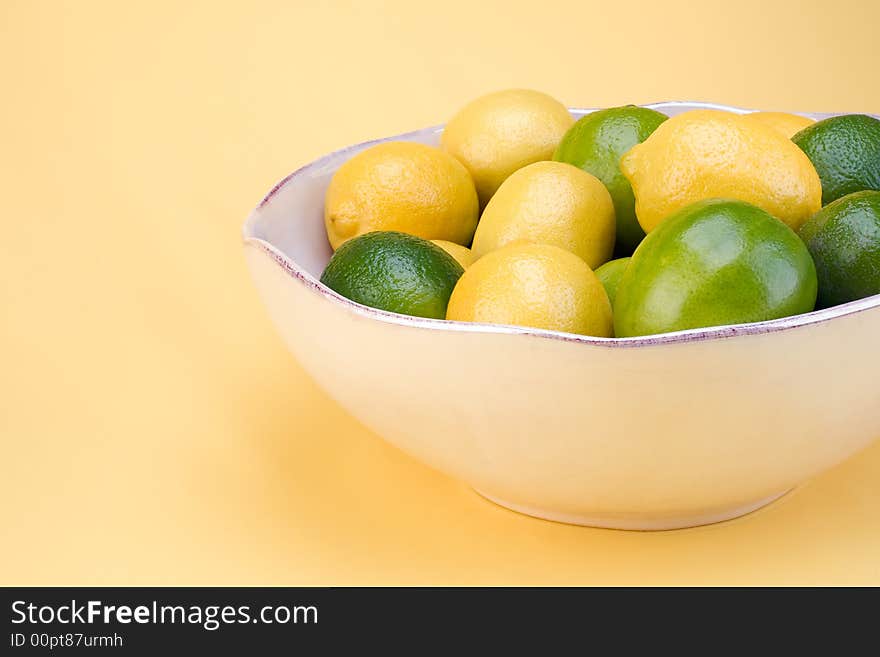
[691,335]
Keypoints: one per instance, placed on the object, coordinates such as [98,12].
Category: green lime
[394,271]
[610,274]
[844,240]
[846,153]
[714,263]
[596,143]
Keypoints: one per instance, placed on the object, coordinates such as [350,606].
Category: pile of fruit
[624,223]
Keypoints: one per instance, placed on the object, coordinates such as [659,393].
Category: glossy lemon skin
[788,125]
[534,285]
[550,203]
[704,154]
[401,186]
[501,132]
[463,255]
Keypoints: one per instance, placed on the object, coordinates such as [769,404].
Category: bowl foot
[632,522]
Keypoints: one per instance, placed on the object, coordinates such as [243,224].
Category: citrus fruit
[844,240]
[714,263]
[550,203]
[394,271]
[462,254]
[784,123]
[704,154]
[610,274]
[401,186]
[596,143]
[501,132]
[845,151]
[534,285]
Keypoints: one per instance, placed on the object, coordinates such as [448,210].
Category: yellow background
[154,429]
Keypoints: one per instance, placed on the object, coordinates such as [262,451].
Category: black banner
[324,620]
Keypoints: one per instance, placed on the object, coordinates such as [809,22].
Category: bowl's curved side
[676,429]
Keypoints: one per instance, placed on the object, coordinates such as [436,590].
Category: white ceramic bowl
[655,432]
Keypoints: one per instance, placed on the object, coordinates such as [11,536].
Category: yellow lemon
[501,132]
[550,203]
[783,122]
[534,285]
[462,254]
[401,186]
[705,154]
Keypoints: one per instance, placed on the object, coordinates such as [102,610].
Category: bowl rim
[300,275]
